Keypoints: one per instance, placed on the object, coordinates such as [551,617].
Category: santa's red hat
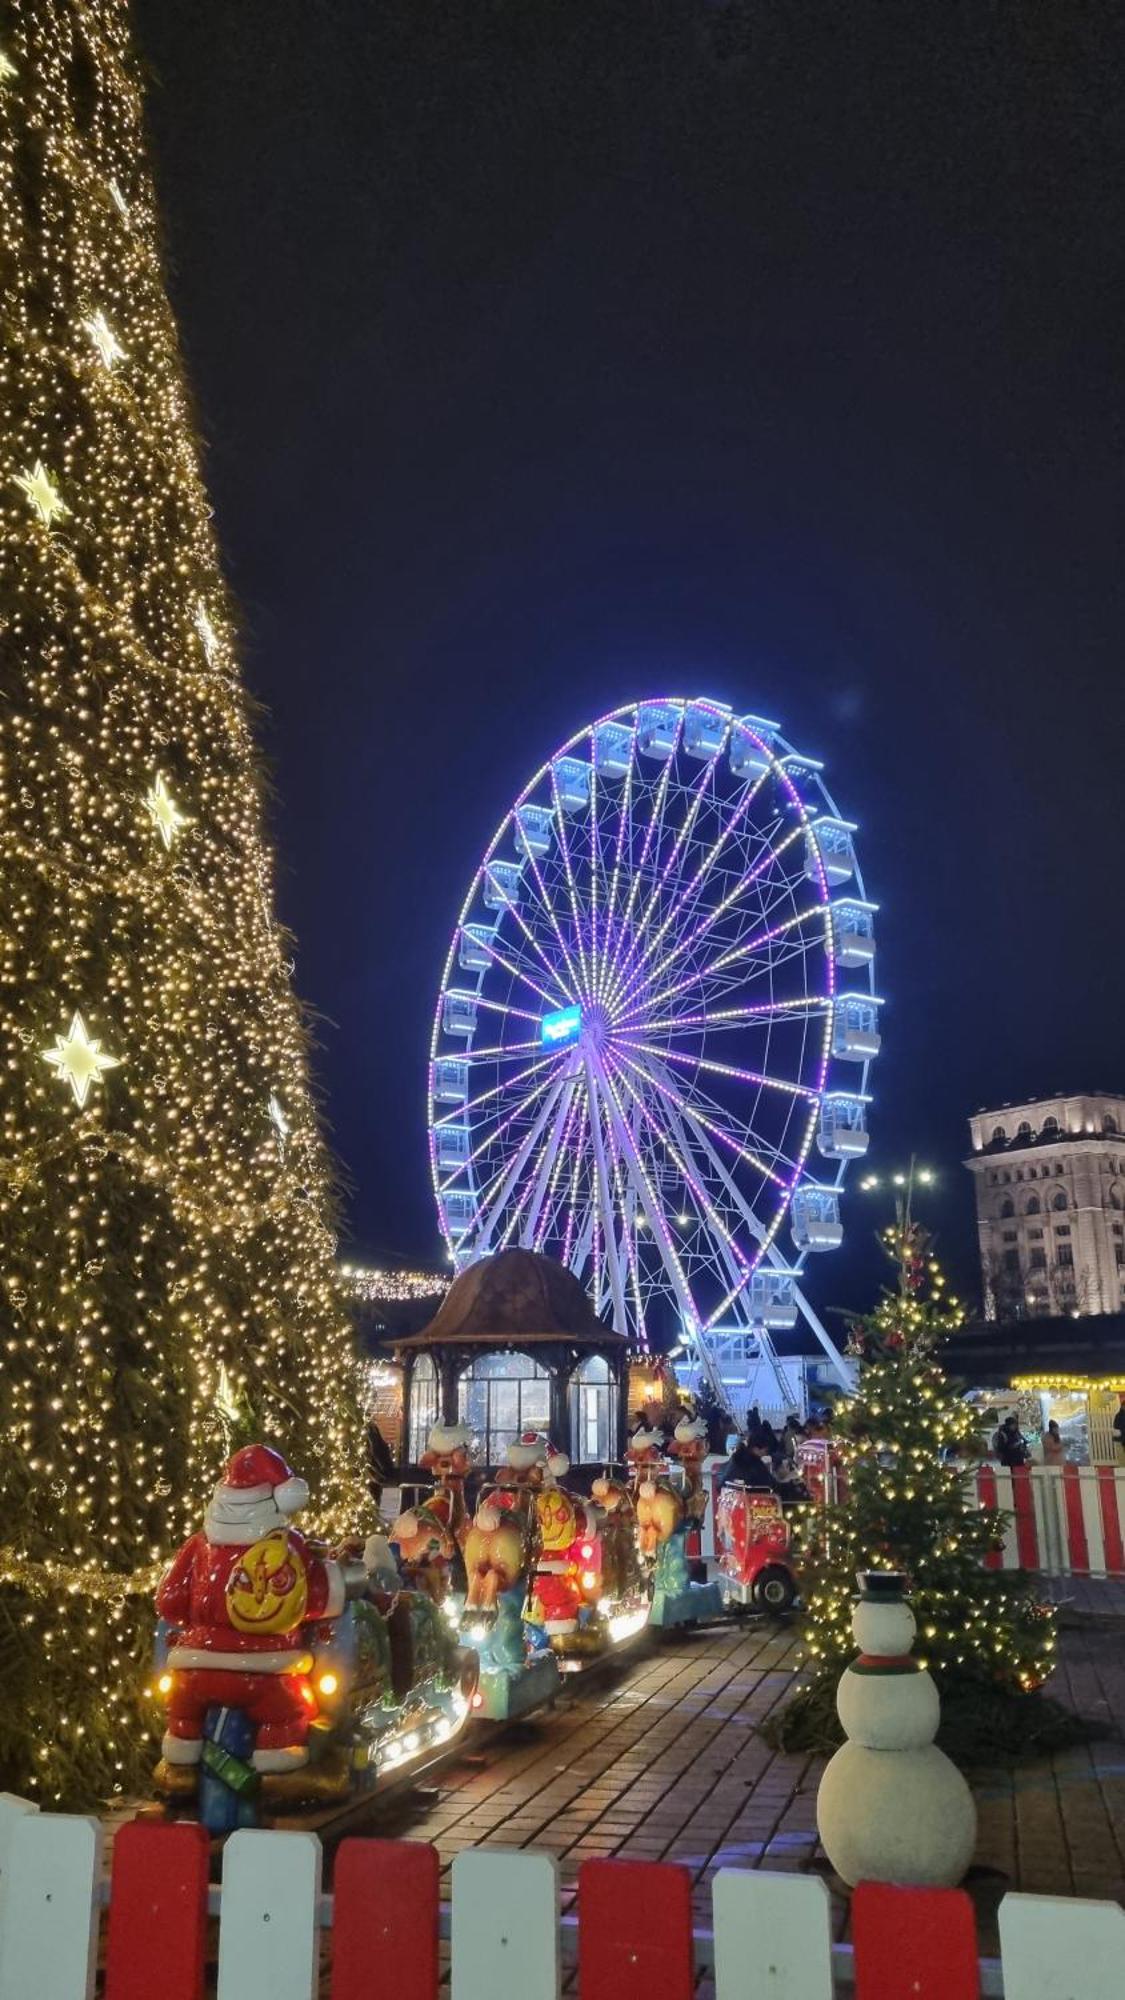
[257,1472]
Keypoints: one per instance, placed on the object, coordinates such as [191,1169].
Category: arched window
[1115,1197]
[1109,1122]
[1032,1205]
[998,1132]
[1050,1124]
[1024,1131]
[423,1405]
[1058,1199]
[500,1395]
[593,1412]
[1007,1206]
[1005,1176]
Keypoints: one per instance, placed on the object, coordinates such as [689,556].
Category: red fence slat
[1023,1507]
[634,1931]
[385,1920]
[1111,1521]
[157,1912]
[914,1944]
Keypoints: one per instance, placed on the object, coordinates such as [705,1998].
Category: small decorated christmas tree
[903,1443]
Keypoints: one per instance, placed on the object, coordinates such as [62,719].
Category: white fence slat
[1062,1948]
[268,1940]
[49,1937]
[773,1939]
[505,1925]
[12,1810]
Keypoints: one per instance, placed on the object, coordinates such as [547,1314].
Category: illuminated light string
[153,1234]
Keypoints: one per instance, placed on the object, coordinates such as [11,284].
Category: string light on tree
[163,810]
[79,1060]
[206,632]
[280,1122]
[104,339]
[159,1242]
[7,67]
[43,494]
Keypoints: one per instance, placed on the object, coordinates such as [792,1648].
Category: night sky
[549,355]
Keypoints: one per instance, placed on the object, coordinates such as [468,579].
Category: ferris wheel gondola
[652,1040]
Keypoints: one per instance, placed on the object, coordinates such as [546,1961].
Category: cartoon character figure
[448,1458]
[496,1554]
[689,1446]
[426,1545]
[243,1593]
[660,1509]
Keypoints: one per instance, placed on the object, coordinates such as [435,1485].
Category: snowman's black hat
[881,1586]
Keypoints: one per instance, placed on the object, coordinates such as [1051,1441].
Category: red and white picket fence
[631,1932]
[1063,1520]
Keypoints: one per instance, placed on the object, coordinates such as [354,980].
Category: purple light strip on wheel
[726,1069]
[766,1010]
[638,872]
[693,1111]
[703,1200]
[726,959]
[633,961]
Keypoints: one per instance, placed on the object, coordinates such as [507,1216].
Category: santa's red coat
[193,1596]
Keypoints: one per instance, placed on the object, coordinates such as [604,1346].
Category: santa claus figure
[242,1593]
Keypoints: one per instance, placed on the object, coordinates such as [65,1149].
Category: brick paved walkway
[659,1759]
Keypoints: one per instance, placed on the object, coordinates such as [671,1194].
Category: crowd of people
[758,1456]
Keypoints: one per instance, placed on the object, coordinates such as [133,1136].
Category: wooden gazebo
[516,1345]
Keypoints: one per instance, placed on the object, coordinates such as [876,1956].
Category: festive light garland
[165,1229]
[1064,1384]
[393,1287]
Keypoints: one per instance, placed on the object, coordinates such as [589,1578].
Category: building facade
[1050,1192]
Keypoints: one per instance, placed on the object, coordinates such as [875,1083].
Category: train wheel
[774,1590]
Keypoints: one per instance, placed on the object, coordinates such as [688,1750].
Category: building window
[1115,1197]
[1065,1256]
[1050,1124]
[1010,1236]
[1007,1206]
[1036,1235]
[1119,1254]
[1109,1122]
[998,1134]
[1058,1199]
[1116,1228]
[593,1413]
[500,1395]
[1037,1259]
[423,1406]
[1024,1130]
[1012,1263]
[1032,1205]
[1062,1229]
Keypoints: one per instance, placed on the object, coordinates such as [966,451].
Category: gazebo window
[593,1412]
[423,1405]
[500,1395]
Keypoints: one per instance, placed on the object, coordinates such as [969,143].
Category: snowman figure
[891,1807]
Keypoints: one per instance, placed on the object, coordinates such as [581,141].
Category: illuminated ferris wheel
[652,1040]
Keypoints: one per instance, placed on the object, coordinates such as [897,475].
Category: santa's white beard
[234,1517]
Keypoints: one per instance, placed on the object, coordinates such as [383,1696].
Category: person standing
[1054,1450]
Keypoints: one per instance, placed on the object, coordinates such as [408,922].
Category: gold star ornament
[104,339]
[163,811]
[42,492]
[79,1060]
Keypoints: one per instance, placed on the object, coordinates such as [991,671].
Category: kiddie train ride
[296,1679]
[292,1677]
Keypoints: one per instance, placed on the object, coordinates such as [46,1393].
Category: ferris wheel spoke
[564,850]
[688,1174]
[635,958]
[575,1174]
[494,1199]
[673,1096]
[661,1233]
[693,938]
[759,942]
[494,1133]
[679,906]
[562,1154]
[655,822]
[624,818]
[517,970]
[607,1226]
[625,1209]
[570,986]
[456,1115]
[737,1075]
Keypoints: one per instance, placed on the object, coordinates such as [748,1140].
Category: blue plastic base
[692,1606]
[505,1696]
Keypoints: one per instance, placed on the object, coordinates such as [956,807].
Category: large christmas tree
[164,1192]
[903,1444]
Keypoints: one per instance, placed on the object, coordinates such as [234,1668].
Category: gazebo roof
[516,1298]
